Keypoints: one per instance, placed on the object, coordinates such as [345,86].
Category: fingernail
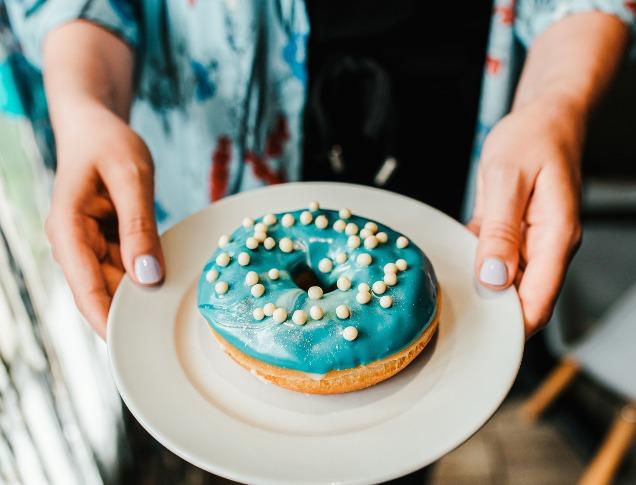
[493,272]
[147,269]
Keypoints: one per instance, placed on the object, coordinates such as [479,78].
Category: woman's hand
[527,208]
[102,220]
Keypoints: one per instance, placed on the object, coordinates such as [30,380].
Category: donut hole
[305,278]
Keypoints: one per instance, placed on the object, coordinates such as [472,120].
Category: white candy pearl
[299,317]
[268,309]
[401,264]
[248,222]
[221,287]
[288,220]
[223,240]
[251,278]
[343,312]
[379,287]
[339,225]
[343,283]
[363,297]
[251,243]
[364,259]
[390,279]
[341,258]
[260,227]
[316,312]
[269,219]
[211,275]
[372,227]
[258,314]
[353,242]
[269,243]
[383,237]
[286,245]
[371,242]
[390,268]
[402,242]
[344,213]
[280,315]
[351,229]
[314,206]
[260,236]
[364,233]
[223,259]
[362,287]
[325,265]
[315,293]
[322,222]
[306,218]
[273,274]
[257,290]
[244,259]
[386,301]
[350,333]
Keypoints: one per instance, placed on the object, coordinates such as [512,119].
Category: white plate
[211,412]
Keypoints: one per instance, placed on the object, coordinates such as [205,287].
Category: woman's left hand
[527,205]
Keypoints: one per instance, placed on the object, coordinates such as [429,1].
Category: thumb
[505,197]
[131,188]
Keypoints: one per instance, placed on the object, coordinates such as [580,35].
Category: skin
[527,206]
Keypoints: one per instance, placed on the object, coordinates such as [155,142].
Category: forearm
[572,63]
[86,67]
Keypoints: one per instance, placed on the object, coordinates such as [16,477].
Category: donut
[333,303]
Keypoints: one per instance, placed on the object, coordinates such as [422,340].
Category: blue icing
[318,346]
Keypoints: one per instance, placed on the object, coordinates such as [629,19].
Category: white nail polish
[147,269]
[493,272]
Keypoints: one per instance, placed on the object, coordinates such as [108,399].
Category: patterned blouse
[221,84]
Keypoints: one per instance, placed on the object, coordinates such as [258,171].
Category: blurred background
[61,420]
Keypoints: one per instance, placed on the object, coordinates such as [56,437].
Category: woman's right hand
[101,221]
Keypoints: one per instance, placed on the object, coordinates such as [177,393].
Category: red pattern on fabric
[631,5]
[274,146]
[220,170]
[493,65]
[506,14]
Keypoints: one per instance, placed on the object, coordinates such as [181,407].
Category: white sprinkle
[286,245]
[251,278]
[343,312]
[343,283]
[223,259]
[223,240]
[344,213]
[386,301]
[325,265]
[364,259]
[353,242]
[351,229]
[371,227]
[362,287]
[316,312]
[221,287]
[280,315]
[251,243]
[390,279]
[364,233]
[268,309]
[350,333]
[257,290]
[288,220]
[260,227]
[341,258]
[379,287]
[269,219]
[258,313]
[248,222]
[315,293]
[402,242]
[383,237]
[306,218]
[244,259]
[299,317]
[260,236]
[363,297]
[314,206]
[211,275]
[273,274]
[339,225]
[401,264]
[322,222]
[390,268]
[269,243]
[371,242]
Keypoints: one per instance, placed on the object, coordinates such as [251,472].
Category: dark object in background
[393,95]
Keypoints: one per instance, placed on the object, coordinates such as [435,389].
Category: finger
[505,197]
[112,277]
[130,187]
